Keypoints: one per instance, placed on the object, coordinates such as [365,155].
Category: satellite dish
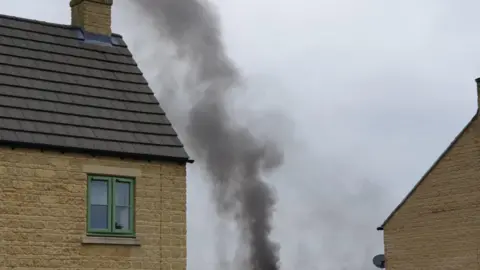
[379,261]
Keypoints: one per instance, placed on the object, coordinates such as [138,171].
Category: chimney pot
[94,16]
[477,80]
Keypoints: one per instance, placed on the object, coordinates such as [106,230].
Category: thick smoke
[235,160]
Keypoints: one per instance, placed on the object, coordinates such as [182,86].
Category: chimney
[477,80]
[93,16]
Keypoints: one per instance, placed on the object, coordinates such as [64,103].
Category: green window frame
[108,206]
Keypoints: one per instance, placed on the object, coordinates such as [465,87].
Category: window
[110,208]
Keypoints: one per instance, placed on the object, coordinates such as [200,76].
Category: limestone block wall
[438,227]
[43,213]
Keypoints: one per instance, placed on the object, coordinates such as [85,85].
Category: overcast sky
[370,93]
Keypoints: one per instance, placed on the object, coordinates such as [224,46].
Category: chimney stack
[93,16]
[478,93]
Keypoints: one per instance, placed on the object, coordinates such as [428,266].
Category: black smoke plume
[234,159]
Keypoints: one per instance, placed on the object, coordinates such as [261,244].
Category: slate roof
[59,90]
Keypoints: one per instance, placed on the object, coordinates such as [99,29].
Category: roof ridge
[91,49]
[45,23]
[16,18]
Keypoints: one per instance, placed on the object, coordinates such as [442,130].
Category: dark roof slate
[59,91]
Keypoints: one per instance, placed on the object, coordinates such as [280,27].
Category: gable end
[452,144]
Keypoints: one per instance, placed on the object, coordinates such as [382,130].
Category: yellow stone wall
[438,227]
[43,213]
[95,16]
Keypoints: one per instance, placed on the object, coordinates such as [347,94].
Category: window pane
[99,217]
[99,192]
[122,194]
[122,217]
[98,204]
[122,206]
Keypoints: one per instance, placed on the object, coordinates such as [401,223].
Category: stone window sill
[105,240]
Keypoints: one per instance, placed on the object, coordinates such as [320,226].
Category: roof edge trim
[93,152]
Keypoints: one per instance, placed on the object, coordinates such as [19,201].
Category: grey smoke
[235,160]
[326,213]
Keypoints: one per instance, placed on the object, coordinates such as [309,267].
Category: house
[92,174]
[437,226]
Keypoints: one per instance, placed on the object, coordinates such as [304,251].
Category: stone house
[92,174]
[437,225]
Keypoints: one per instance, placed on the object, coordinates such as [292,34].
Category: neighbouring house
[92,174]
[437,225]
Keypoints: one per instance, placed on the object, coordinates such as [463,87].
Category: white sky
[375,89]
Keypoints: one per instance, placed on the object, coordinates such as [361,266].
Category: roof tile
[56,91]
